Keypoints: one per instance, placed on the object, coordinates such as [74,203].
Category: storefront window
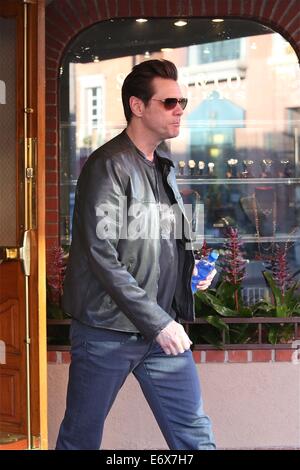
[241,126]
[215,51]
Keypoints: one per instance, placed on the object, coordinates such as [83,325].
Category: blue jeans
[101,361]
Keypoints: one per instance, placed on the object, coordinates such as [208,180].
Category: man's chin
[173,133]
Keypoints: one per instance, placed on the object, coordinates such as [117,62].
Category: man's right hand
[173,339]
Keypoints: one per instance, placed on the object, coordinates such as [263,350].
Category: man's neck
[145,143]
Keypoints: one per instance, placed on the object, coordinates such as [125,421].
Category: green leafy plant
[55,280]
[57,330]
[285,301]
[226,299]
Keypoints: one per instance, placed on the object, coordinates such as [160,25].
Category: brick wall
[232,356]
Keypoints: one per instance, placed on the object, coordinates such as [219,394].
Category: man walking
[128,280]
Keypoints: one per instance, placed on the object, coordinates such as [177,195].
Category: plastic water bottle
[204,267]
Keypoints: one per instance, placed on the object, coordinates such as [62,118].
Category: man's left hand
[203,285]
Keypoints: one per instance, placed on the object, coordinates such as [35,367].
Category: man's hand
[203,285]
[173,339]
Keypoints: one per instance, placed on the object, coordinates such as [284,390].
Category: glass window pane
[8,131]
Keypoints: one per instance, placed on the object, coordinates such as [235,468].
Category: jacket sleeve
[100,195]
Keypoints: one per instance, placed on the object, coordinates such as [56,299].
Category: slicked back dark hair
[139,82]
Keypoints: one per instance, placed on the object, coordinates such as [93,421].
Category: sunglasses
[171,103]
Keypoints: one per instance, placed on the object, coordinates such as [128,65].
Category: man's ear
[136,105]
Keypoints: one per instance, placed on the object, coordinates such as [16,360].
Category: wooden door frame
[35,117]
[37,286]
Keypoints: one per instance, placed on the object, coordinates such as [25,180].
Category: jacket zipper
[157,198]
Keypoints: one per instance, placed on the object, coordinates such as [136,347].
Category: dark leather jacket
[112,282]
